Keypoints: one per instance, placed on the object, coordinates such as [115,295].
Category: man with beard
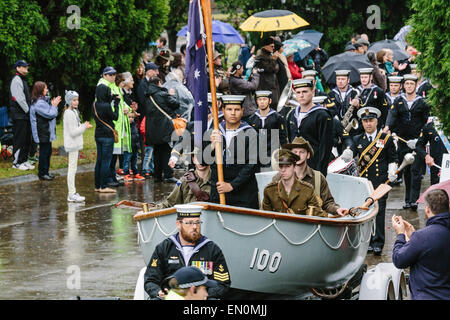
[313,122]
[266,122]
[240,157]
[186,248]
[407,117]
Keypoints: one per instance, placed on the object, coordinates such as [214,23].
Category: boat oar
[377,194]
[133,204]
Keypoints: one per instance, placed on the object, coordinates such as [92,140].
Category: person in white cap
[407,117]
[395,88]
[377,162]
[73,141]
[343,95]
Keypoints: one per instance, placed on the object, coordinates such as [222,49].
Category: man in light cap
[343,95]
[377,161]
[372,95]
[289,194]
[269,125]
[395,88]
[186,248]
[189,283]
[313,122]
[408,115]
[423,84]
[239,143]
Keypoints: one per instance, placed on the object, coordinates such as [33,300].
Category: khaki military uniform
[328,204]
[182,193]
[299,200]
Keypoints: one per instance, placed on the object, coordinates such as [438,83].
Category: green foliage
[179,11]
[430,35]
[112,32]
[338,20]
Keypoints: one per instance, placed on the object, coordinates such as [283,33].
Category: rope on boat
[156,224]
[240,233]
[317,229]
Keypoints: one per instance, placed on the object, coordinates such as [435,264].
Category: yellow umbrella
[273,20]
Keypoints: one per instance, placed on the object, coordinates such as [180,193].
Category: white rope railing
[240,233]
[156,224]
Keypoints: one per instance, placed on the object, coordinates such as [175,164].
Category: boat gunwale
[267,214]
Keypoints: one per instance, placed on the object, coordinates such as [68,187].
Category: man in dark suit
[377,161]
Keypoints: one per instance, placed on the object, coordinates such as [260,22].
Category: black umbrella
[398,52]
[345,61]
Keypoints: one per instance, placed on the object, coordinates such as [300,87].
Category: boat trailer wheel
[329,293]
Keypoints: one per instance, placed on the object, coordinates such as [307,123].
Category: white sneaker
[21,166]
[75,198]
[29,165]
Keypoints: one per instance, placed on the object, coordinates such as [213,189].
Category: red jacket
[295,70]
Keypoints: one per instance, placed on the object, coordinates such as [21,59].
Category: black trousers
[378,239]
[412,174]
[21,140]
[45,152]
[161,155]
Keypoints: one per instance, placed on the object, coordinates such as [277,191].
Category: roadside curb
[33,177]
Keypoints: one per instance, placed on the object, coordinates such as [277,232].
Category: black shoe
[113,184]
[377,251]
[46,177]
[407,206]
[413,207]
[370,249]
[171,180]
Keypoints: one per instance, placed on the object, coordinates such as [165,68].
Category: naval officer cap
[286,156]
[309,73]
[191,276]
[412,77]
[302,83]
[342,73]
[395,79]
[365,70]
[319,99]
[233,99]
[263,94]
[368,113]
[413,66]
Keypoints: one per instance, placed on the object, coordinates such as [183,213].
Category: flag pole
[207,21]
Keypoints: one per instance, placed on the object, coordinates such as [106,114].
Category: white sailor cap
[368,113]
[412,77]
[342,73]
[365,70]
[218,96]
[413,66]
[319,99]
[263,93]
[395,79]
[301,83]
[233,99]
[309,73]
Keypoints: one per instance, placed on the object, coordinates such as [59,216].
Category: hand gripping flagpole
[207,21]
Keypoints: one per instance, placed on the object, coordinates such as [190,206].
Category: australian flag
[196,77]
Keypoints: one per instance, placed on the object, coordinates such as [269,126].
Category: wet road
[45,243]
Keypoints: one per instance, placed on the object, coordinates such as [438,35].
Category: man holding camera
[240,86]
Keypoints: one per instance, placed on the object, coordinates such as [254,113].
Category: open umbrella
[273,20]
[346,61]
[445,185]
[310,35]
[299,47]
[221,32]
[399,53]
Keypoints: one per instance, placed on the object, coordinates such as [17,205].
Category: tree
[71,55]
[338,20]
[178,18]
[430,35]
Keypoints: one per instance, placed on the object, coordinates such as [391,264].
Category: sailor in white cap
[377,161]
[343,95]
[312,122]
[395,88]
[270,126]
[407,117]
[372,95]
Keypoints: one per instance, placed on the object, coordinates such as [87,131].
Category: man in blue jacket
[426,251]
